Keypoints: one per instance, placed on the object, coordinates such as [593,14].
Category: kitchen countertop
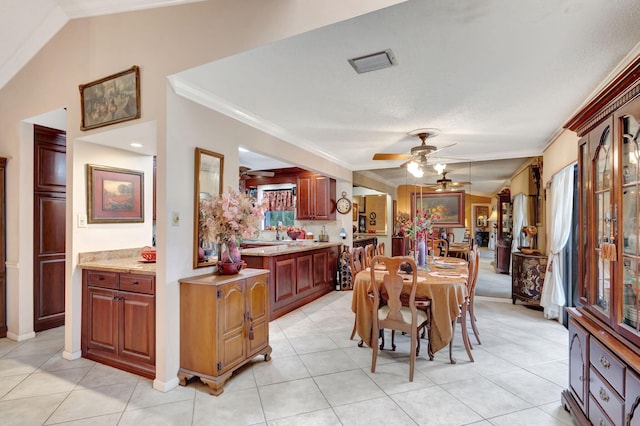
[288,248]
[124,260]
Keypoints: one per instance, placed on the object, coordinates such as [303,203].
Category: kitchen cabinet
[527,277]
[608,256]
[118,320]
[315,198]
[504,233]
[297,275]
[224,323]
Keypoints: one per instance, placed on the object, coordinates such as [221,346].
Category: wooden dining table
[445,285]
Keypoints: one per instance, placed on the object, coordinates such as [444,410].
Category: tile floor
[317,376]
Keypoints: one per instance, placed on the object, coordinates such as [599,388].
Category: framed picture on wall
[450,205]
[114,195]
[111,99]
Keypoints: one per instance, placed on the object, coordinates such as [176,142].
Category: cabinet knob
[100,278]
[604,362]
[135,283]
[604,395]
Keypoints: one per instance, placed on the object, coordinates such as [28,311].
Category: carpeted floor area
[489,283]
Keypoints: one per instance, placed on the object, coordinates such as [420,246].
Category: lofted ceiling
[498,78]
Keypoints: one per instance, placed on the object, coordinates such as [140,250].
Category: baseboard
[21,337]
[493,299]
[165,386]
[71,355]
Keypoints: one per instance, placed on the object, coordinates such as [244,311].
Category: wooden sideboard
[298,274]
[224,323]
[119,320]
[527,277]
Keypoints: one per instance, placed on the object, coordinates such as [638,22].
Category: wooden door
[137,316]
[100,314]
[320,269]
[258,313]
[3,279]
[578,364]
[304,273]
[231,320]
[304,197]
[49,227]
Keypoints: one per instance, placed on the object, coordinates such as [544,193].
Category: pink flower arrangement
[230,216]
[422,225]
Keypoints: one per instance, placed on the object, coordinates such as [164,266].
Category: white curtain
[552,297]
[520,219]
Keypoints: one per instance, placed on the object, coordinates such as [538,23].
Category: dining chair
[440,247]
[465,308]
[357,265]
[392,314]
[471,289]
[369,253]
[380,249]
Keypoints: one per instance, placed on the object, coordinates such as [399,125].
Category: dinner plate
[450,262]
[446,274]
[445,266]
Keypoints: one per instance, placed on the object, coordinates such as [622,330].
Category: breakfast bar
[299,272]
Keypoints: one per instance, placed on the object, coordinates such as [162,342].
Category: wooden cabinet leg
[216,385]
[267,353]
[184,378]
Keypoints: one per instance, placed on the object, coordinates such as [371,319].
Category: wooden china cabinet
[504,232]
[604,330]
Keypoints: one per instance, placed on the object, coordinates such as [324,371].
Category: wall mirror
[209,167]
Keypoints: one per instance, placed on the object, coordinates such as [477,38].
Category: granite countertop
[124,260]
[288,248]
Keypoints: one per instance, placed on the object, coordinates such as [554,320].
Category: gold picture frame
[112,99]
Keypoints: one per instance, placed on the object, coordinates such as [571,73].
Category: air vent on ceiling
[373,62]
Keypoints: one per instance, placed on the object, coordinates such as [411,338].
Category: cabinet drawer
[606,397]
[597,416]
[608,365]
[137,283]
[102,279]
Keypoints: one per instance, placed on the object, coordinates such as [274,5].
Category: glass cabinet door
[602,219]
[630,157]
[585,219]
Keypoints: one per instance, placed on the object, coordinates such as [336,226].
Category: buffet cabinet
[604,330]
[504,233]
[315,198]
[119,320]
[224,324]
[527,277]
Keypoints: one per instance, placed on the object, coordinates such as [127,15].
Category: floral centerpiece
[229,218]
[418,230]
[422,225]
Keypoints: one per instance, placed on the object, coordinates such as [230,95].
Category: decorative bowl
[148,253]
[293,234]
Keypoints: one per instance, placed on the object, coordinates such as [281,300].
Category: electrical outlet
[82,220]
[175,218]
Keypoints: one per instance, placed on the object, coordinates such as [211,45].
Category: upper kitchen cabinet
[316,198]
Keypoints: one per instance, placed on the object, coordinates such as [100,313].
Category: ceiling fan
[247,173]
[446,184]
[418,154]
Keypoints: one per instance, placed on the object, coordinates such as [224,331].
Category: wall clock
[343,205]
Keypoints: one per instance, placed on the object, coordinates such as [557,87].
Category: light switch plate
[82,220]
[175,218]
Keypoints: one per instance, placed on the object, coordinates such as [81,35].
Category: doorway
[49,204]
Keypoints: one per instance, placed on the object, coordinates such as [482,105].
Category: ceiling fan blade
[385,156]
[440,149]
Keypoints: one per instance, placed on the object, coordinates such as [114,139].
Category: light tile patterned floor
[317,377]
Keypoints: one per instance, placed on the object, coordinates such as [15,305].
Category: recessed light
[136,144]
[374,61]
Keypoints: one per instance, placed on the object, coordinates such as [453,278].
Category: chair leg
[393,340]
[465,334]
[474,326]
[412,354]
[374,355]
[353,332]
[453,333]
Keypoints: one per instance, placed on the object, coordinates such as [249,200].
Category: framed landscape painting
[110,100]
[450,205]
[114,195]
